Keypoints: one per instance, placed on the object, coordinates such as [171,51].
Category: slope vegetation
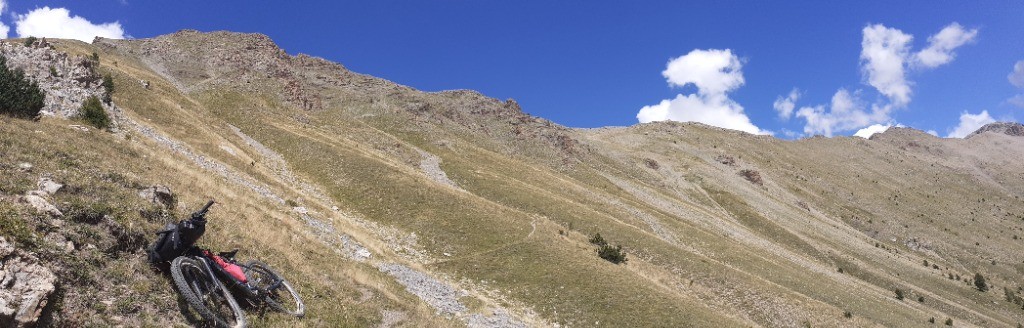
[395,207]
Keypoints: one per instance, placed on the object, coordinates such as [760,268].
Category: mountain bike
[209,282]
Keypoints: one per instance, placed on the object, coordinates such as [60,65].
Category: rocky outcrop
[67,80]
[1008,128]
[158,194]
[37,198]
[25,287]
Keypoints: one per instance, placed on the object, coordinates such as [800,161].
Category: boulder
[49,186]
[40,204]
[25,167]
[25,287]
[158,194]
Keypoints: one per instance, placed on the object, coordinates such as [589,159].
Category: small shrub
[96,57]
[19,96]
[920,299]
[598,240]
[840,270]
[291,203]
[847,314]
[926,263]
[93,113]
[30,40]
[53,71]
[108,88]
[612,254]
[979,282]
[931,320]
[899,293]
[949,321]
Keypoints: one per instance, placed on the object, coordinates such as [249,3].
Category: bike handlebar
[202,212]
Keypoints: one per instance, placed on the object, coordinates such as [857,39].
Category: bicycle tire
[198,288]
[261,273]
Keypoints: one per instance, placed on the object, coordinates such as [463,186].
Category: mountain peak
[1008,128]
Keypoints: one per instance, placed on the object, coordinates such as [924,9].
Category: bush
[612,254]
[93,113]
[847,314]
[979,282]
[899,294]
[606,251]
[19,96]
[108,88]
[949,321]
[30,40]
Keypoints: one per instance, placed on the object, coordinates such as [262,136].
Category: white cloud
[970,123]
[785,105]
[1017,76]
[871,130]
[883,56]
[932,132]
[1017,100]
[846,112]
[58,23]
[941,45]
[715,73]
[3,28]
[885,59]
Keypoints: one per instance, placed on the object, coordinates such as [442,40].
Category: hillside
[389,206]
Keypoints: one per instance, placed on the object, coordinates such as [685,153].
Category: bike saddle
[229,255]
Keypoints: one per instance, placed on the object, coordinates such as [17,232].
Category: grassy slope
[720,251]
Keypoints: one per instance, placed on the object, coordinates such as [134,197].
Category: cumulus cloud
[846,112]
[715,73]
[941,45]
[1016,78]
[970,123]
[883,55]
[59,23]
[871,130]
[885,59]
[3,28]
[785,105]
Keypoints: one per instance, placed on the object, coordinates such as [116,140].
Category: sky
[792,70]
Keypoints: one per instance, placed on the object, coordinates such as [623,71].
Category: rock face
[67,80]
[158,194]
[25,287]
[1008,128]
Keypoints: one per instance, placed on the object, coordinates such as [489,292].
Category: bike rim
[277,290]
[209,293]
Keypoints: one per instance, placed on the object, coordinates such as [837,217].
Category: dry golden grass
[706,247]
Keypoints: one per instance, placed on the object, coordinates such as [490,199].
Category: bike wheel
[207,296]
[278,293]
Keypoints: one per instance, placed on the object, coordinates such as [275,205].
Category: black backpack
[177,238]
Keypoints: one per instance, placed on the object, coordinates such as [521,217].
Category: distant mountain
[1008,128]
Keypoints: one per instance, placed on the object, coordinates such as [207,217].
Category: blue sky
[598,63]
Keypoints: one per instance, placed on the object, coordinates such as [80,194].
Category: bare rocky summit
[1013,129]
